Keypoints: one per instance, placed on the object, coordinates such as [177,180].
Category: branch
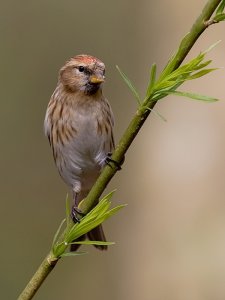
[36,281]
[143,111]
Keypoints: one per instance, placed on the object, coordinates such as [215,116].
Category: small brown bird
[79,125]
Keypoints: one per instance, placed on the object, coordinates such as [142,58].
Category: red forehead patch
[87,59]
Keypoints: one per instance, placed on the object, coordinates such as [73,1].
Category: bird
[79,125]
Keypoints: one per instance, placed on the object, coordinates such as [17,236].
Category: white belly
[83,159]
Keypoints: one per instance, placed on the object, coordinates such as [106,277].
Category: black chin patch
[91,88]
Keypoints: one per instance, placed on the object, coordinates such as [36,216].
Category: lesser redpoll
[79,126]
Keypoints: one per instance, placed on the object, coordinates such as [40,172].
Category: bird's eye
[81,68]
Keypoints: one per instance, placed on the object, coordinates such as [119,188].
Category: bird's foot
[75,213]
[109,160]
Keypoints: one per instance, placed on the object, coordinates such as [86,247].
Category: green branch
[169,80]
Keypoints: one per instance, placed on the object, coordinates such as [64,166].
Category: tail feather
[74,247]
[97,234]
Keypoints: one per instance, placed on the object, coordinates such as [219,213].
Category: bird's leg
[75,210]
[109,160]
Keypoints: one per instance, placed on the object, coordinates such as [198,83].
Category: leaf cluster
[169,82]
[101,212]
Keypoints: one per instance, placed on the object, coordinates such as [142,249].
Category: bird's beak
[96,80]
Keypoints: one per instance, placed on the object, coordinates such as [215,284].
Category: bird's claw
[109,160]
[74,214]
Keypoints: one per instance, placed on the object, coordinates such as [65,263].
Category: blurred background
[170,239]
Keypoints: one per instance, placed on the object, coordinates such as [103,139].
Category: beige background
[170,240]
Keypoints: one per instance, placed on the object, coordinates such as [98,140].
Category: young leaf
[212,46]
[151,80]
[203,65]
[98,243]
[220,7]
[193,96]
[114,210]
[165,84]
[57,233]
[219,17]
[130,85]
[75,253]
[201,73]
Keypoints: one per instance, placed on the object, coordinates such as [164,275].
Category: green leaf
[181,72]
[151,81]
[201,73]
[203,65]
[75,253]
[57,232]
[114,210]
[194,96]
[98,243]
[220,7]
[130,85]
[219,17]
[211,47]
[165,84]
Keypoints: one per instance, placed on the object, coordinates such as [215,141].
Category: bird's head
[83,73]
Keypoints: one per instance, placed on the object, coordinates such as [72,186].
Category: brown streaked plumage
[79,126]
